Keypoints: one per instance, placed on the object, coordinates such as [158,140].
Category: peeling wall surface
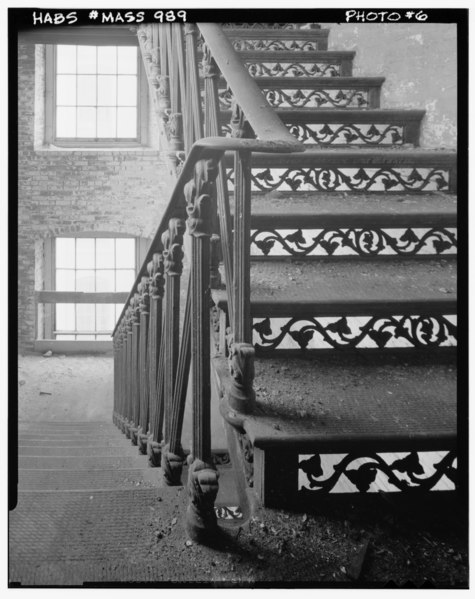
[419,62]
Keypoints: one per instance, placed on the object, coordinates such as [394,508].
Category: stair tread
[303,210]
[352,397]
[330,115]
[368,284]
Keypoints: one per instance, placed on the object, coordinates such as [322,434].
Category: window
[94,266]
[94,96]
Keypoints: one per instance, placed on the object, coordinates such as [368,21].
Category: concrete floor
[79,388]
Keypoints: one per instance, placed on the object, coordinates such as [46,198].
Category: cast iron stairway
[353,286]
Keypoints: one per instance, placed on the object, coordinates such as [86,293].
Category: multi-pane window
[96,93]
[91,265]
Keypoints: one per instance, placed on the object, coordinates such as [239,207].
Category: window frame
[104,143]
[49,296]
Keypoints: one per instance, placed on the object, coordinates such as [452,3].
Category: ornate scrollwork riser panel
[343,134]
[353,242]
[389,179]
[352,332]
[375,472]
[293,69]
[309,98]
[282,45]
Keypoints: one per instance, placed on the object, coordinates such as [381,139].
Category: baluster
[173,261]
[193,96]
[121,375]
[135,386]
[128,371]
[172,454]
[156,295]
[241,352]
[202,477]
[213,128]
[142,435]
[115,345]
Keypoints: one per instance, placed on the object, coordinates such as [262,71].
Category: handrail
[205,148]
[259,113]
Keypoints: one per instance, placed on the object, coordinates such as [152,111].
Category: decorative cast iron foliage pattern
[414,477]
[317,98]
[419,331]
[363,242]
[349,179]
[354,134]
[299,45]
[292,69]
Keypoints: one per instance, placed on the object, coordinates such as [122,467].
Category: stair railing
[156,339]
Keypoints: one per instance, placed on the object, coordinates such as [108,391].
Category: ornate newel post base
[241,367]
[172,465]
[142,440]
[201,523]
[154,453]
[127,426]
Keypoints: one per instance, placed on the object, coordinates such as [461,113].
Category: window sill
[72,347]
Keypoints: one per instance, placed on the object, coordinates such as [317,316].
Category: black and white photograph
[233,296]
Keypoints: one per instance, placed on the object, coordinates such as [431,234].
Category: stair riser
[320,92]
[278,40]
[347,332]
[363,239]
[391,176]
[271,67]
[283,478]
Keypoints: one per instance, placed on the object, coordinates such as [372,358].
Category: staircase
[324,238]
[353,286]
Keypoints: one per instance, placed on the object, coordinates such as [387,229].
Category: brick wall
[63,191]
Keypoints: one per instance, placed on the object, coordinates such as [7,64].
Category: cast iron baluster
[129,370]
[173,260]
[241,352]
[172,453]
[156,357]
[202,477]
[212,128]
[143,366]
[193,96]
[121,366]
[135,370]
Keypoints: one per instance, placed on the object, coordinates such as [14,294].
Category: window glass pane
[106,122]
[127,60]
[86,90]
[65,122]
[106,59]
[65,59]
[85,249]
[86,59]
[103,338]
[66,337]
[105,280]
[85,280]
[105,253]
[85,338]
[85,317]
[125,253]
[106,90]
[65,317]
[66,90]
[65,252]
[86,125]
[124,280]
[65,280]
[105,317]
[127,122]
[126,90]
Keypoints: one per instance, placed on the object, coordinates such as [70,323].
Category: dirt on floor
[57,387]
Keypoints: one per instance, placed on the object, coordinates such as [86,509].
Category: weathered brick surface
[63,191]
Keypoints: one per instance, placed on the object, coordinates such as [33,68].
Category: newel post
[202,477]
